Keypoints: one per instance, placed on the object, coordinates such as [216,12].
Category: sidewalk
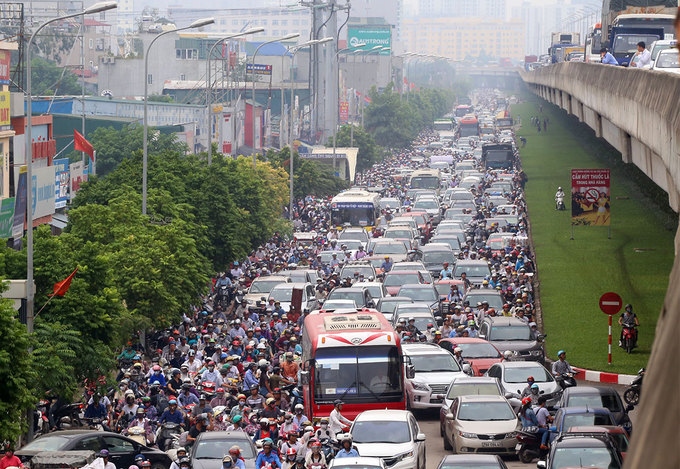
[603,377]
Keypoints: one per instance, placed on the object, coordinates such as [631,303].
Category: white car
[481,424]
[357,463]
[391,435]
[512,377]
[432,369]
[667,61]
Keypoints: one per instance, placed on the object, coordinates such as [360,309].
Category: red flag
[81,144]
[60,288]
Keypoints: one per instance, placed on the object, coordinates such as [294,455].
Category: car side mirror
[630,407]
[541,465]
[410,371]
[449,416]
[482,336]
[421,437]
[370,304]
[304,377]
[467,369]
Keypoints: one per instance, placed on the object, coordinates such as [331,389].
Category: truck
[623,41]
[498,156]
[565,38]
[612,9]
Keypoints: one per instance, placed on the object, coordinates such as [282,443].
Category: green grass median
[572,274]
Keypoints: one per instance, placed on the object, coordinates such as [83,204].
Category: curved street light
[284,38]
[145,143]
[208,87]
[96,8]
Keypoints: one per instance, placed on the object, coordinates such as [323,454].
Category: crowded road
[429,424]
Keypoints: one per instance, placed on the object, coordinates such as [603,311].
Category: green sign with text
[371,37]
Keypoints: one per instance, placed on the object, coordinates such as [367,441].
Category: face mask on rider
[241,402]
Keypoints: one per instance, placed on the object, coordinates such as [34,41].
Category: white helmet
[457,350]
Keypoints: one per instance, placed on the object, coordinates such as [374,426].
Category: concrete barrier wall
[636,111]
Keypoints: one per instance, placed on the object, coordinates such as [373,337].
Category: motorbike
[559,202]
[528,445]
[629,340]
[632,394]
[41,421]
[95,424]
[295,393]
[168,435]
[328,449]
[68,416]
[566,380]
[137,434]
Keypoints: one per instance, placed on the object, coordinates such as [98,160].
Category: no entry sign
[611,303]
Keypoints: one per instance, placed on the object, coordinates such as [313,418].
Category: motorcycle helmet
[526,400]
[291,453]
[534,386]
[185,462]
[146,463]
[267,442]
[316,444]
[227,461]
[236,419]
[139,458]
[561,352]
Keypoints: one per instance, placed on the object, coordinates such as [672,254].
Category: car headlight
[467,435]
[420,387]
[536,353]
[402,456]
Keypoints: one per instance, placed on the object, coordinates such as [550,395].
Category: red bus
[468,126]
[354,356]
[463,110]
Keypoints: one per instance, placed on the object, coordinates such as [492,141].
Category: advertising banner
[5,56]
[226,133]
[6,217]
[77,177]
[344,112]
[4,108]
[61,182]
[19,209]
[260,69]
[43,192]
[370,36]
[590,197]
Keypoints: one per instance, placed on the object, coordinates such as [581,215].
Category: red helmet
[316,444]
[220,390]
[291,452]
[526,400]
[156,368]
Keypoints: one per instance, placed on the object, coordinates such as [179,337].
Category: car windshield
[398,234]
[472,389]
[595,400]
[387,306]
[440,363]
[438,257]
[485,411]
[400,279]
[584,457]
[381,431]
[389,248]
[346,294]
[263,286]
[479,350]
[472,270]
[468,465]
[282,294]
[352,270]
[426,204]
[520,375]
[355,466]
[427,294]
[214,449]
[590,418]
[510,333]
[46,443]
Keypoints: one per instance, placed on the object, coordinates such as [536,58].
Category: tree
[16,392]
[369,153]
[389,120]
[49,80]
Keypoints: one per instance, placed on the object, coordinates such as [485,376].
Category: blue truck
[623,41]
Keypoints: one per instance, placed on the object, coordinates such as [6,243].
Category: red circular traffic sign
[611,303]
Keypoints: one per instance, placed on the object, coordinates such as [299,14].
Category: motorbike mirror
[541,337]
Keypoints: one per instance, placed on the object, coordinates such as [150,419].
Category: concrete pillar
[626,147]
[598,125]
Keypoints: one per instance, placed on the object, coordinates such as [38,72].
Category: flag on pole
[367,99]
[80,143]
[60,288]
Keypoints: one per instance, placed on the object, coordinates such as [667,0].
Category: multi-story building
[489,9]
[464,38]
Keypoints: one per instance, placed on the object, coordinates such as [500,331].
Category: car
[443,286]
[475,270]
[353,233]
[480,295]
[389,247]
[392,435]
[301,275]
[471,461]
[421,292]
[480,353]
[356,268]
[401,233]
[357,463]
[337,304]
[432,369]
[434,256]
[376,289]
[361,295]
[420,311]
[284,293]
[122,450]
[210,447]
[667,61]
[415,265]
[512,377]
[465,386]
[481,424]
[429,205]
[617,434]
[570,451]
[599,397]
[447,238]
[394,280]
[512,334]
[567,417]
[261,287]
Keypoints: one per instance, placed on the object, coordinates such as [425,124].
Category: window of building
[182,77]
[149,79]
[91,43]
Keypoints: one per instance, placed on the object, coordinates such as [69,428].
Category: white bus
[355,207]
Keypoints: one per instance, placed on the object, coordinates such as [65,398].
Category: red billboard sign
[344,112]
[590,197]
[5,57]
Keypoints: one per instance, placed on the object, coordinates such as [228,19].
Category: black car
[590,396]
[582,451]
[122,450]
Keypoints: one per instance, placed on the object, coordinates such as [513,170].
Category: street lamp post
[30,294]
[284,38]
[145,143]
[208,86]
[336,106]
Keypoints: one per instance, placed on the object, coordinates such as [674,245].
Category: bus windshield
[356,214]
[358,374]
[469,130]
[425,182]
[463,110]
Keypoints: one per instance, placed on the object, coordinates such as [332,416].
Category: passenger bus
[463,110]
[443,125]
[355,207]
[353,356]
[426,179]
[468,127]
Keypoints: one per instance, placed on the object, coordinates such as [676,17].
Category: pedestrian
[645,59]
[607,57]
[545,125]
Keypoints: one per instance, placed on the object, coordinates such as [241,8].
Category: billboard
[260,69]
[43,192]
[371,36]
[6,217]
[590,197]
[226,133]
[4,108]
[77,177]
[61,182]
[5,56]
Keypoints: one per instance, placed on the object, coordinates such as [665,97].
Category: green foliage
[369,153]
[16,392]
[160,98]
[49,80]
[574,273]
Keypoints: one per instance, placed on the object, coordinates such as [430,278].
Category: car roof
[466,340]
[357,461]
[503,321]
[223,435]
[464,379]
[483,398]
[523,364]
[422,349]
[421,286]
[591,390]
[470,458]
[397,299]
[436,247]
[584,410]
[384,414]
[580,441]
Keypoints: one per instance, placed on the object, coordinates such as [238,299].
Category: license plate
[518,446]
[491,444]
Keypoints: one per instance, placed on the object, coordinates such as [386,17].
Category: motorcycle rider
[544,418]
[527,390]
[347,450]
[323,432]
[181,453]
[171,414]
[235,453]
[315,457]
[300,418]
[337,421]
[267,456]
[562,366]
[628,319]
[9,459]
[140,420]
